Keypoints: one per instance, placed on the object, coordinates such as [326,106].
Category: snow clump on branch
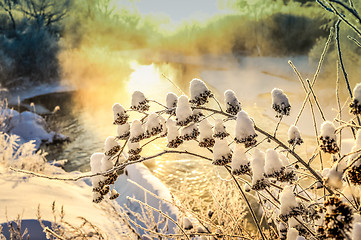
[139,102]
[172,101]
[184,114]
[280,102]
[289,205]
[294,136]
[245,132]
[233,106]
[199,92]
[95,165]
[136,131]
[134,149]
[173,137]
[206,132]
[355,105]
[221,152]
[240,163]
[257,164]
[119,114]
[354,165]
[220,130]
[153,125]
[327,137]
[123,131]
[190,132]
[111,146]
[273,165]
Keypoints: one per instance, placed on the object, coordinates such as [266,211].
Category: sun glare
[145,78]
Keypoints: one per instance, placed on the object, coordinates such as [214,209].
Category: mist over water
[111,48]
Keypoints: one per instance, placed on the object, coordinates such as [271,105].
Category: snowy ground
[21,194]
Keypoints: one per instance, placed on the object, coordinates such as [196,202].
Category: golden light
[145,78]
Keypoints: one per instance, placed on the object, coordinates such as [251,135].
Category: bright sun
[145,78]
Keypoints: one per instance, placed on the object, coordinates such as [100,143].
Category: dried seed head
[280,102]
[220,130]
[123,131]
[189,132]
[240,163]
[139,102]
[119,114]
[153,125]
[221,152]
[136,131]
[233,106]
[172,101]
[355,105]
[338,218]
[245,132]
[327,138]
[111,146]
[174,140]
[114,194]
[294,136]
[199,92]
[184,113]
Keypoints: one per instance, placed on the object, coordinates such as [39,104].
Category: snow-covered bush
[274,176]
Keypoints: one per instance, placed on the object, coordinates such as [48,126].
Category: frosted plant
[199,92]
[184,114]
[172,101]
[206,132]
[123,131]
[355,105]
[174,140]
[113,194]
[327,138]
[288,175]
[245,132]
[289,206]
[294,136]
[162,122]
[153,125]
[257,164]
[139,102]
[189,132]
[134,149]
[240,163]
[219,129]
[273,165]
[95,165]
[338,219]
[280,102]
[354,164]
[187,224]
[197,114]
[333,176]
[233,106]
[136,131]
[111,147]
[119,114]
[221,152]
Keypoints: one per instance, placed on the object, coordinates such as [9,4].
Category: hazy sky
[177,10]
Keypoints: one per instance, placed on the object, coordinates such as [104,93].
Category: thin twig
[248,203]
[161,212]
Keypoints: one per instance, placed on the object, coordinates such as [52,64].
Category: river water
[86,117]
